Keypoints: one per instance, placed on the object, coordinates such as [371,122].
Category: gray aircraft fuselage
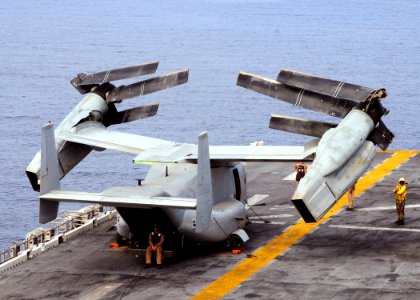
[179,180]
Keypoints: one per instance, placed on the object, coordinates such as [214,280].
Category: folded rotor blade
[334,88]
[381,136]
[147,86]
[132,114]
[82,82]
[300,126]
[336,107]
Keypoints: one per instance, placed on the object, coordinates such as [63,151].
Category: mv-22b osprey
[198,192]
[346,150]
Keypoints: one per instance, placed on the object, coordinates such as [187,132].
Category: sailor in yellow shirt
[400,192]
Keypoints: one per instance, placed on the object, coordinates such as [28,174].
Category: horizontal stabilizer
[132,114]
[115,74]
[324,86]
[147,86]
[300,126]
[325,104]
[120,197]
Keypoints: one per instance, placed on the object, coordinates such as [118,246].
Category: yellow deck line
[246,268]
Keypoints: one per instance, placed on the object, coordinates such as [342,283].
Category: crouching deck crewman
[156,240]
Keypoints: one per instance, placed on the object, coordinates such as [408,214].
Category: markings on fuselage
[254,200]
[375,228]
[293,234]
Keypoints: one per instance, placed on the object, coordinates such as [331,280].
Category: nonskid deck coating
[330,262]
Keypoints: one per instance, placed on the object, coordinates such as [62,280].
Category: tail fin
[204,184]
[49,175]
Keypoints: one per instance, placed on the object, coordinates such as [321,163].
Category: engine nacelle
[92,107]
[343,155]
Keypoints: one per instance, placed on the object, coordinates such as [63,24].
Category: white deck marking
[386,207]
[270,222]
[281,207]
[255,199]
[291,176]
[375,228]
[101,291]
[271,216]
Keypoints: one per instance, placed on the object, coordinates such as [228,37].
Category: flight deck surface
[358,254]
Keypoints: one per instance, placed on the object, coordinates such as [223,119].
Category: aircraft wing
[119,197]
[188,153]
[152,150]
[260,153]
[97,136]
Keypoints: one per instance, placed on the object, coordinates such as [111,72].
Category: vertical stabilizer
[49,175]
[204,184]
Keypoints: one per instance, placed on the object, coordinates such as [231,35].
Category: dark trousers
[400,209]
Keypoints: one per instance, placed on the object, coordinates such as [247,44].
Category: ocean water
[45,43]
